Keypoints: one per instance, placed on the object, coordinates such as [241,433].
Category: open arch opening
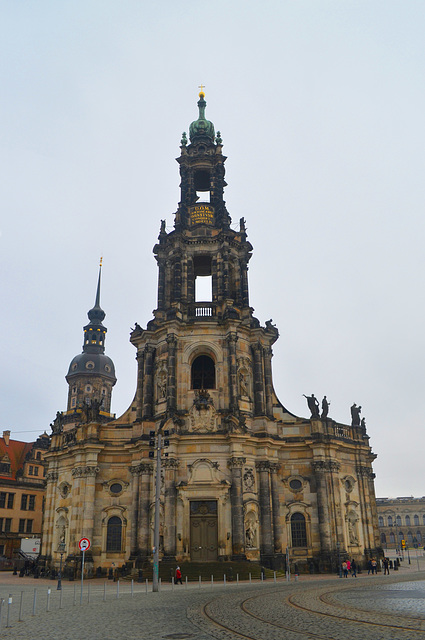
[203,373]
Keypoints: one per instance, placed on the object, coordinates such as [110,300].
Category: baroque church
[242,478]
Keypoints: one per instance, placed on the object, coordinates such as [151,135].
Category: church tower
[243,478]
[91,374]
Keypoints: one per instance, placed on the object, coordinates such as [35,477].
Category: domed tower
[91,374]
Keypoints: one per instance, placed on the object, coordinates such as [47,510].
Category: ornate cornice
[236,462]
[170,463]
[141,468]
[262,465]
[86,471]
[326,465]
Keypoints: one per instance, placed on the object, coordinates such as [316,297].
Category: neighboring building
[22,486]
[401,519]
[244,477]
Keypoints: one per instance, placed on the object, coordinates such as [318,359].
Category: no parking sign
[84,544]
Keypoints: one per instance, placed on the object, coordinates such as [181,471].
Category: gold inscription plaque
[201,213]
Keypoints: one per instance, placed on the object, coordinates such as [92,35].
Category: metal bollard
[48,599]
[249,578]
[118,589]
[60,599]
[1,605]
[132,588]
[88,592]
[185,583]
[200,580]
[237,579]
[212,581]
[147,581]
[274,576]
[104,592]
[9,604]
[34,602]
[75,594]
[172,583]
[20,607]
[224,579]
[159,584]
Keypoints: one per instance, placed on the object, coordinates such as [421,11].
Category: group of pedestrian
[349,566]
[372,567]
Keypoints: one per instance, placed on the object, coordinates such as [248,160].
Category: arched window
[407,521]
[400,536]
[381,521]
[409,537]
[298,530]
[390,521]
[203,373]
[419,536]
[416,520]
[398,521]
[392,538]
[383,538]
[113,536]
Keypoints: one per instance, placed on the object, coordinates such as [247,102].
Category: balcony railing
[202,310]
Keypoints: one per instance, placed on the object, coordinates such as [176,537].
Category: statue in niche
[243,384]
[352,529]
[249,538]
[161,385]
[251,530]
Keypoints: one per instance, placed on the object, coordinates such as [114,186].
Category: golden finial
[101,258]
[201,93]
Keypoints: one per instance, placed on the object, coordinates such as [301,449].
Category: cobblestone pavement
[366,608]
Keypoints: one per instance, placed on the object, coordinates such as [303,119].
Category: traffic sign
[403,543]
[84,544]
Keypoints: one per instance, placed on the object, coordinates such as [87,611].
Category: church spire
[96,314]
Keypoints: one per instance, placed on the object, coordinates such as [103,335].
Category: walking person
[353,568]
[374,566]
[386,564]
[178,576]
[345,569]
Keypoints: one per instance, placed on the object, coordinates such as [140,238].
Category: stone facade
[401,519]
[243,477]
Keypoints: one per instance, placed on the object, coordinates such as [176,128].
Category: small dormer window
[90,364]
[74,389]
[88,388]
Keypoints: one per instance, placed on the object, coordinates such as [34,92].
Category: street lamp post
[61,550]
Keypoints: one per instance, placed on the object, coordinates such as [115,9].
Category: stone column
[170,496]
[49,515]
[257,351]
[319,469]
[87,492]
[144,503]
[277,528]
[161,284]
[268,380]
[365,506]
[232,339]
[139,391]
[244,283]
[266,541]
[333,468]
[236,499]
[135,485]
[171,373]
[148,381]
[177,291]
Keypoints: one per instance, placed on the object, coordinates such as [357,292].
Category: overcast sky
[321,109]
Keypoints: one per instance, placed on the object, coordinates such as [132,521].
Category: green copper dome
[201,128]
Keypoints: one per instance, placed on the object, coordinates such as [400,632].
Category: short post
[132,588]
[9,604]
[61,550]
[262,575]
[224,579]
[118,589]
[88,592]
[34,603]
[274,576]
[200,581]
[48,599]
[60,599]
[75,593]
[172,583]
[20,607]
[104,592]
[212,581]
[147,583]
[1,605]
[185,583]
[237,579]
[250,578]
